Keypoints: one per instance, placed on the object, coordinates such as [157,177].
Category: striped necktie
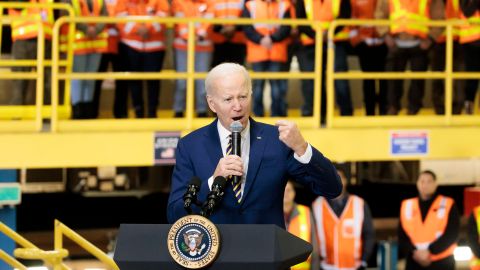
[236,188]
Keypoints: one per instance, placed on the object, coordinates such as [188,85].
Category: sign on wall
[165,144]
[409,143]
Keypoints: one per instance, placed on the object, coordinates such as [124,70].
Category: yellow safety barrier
[38,111]
[398,121]
[54,257]
[62,230]
[189,122]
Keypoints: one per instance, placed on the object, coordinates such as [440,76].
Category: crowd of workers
[342,233]
[135,46]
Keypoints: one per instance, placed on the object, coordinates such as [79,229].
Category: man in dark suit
[270,156]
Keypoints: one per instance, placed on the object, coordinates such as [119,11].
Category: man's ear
[211,103]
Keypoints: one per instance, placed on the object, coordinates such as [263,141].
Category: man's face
[230,100]
[426,186]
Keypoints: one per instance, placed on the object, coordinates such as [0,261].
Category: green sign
[10,194]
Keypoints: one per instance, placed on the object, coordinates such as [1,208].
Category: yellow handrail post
[11,261]
[448,75]
[317,82]
[1,29]
[330,89]
[189,109]
[40,89]
[55,71]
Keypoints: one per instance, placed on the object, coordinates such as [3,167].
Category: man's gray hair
[223,70]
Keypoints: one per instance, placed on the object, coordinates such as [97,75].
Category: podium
[243,246]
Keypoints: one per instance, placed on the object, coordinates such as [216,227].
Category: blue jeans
[202,64]
[82,90]
[278,93]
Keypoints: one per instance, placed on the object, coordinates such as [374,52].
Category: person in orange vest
[24,37]
[452,12]
[473,232]
[267,50]
[90,42]
[429,227]
[203,52]
[469,38]
[112,57]
[372,53]
[346,236]
[408,43]
[299,221]
[144,44]
[229,40]
[325,12]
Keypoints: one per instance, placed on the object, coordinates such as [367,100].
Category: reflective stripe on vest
[423,233]
[475,262]
[301,226]
[29,29]
[340,238]
[399,11]
[228,9]
[470,32]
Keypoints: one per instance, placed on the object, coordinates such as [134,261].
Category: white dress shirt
[245,148]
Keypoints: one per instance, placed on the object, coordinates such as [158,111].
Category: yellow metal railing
[189,122]
[38,111]
[398,121]
[62,230]
[54,257]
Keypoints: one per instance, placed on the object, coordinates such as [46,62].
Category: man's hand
[390,41]
[426,43]
[91,31]
[142,31]
[228,31]
[422,257]
[266,42]
[290,135]
[229,165]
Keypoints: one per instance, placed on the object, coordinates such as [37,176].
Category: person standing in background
[24,37]
[203,52]
[470,42]
[144,44]
[372,53]
[473,231]
[429,227]
[300,222]
[89,43]
[229,40]
[346,236]
[267,50]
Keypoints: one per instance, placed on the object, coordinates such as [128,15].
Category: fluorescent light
[462,253]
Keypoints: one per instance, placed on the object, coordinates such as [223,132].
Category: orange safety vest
[128,31]
[475,262]
[452,12]
[340,238]
[470,32]
[82,43]
[364,9]
[267,10]
[422,234]
[301,226]
[28,29]
[323,11]
[415,10]
[192,9]
[228,9]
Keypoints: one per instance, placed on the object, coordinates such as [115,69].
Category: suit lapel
[213,145]
[257,146]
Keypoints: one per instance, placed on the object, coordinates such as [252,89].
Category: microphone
[191,194]
[215,196]
[236,128]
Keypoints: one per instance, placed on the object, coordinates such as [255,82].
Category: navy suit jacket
[271,164]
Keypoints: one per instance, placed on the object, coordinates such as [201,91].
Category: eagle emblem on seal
[193,242]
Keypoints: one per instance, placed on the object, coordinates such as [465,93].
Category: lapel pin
[259,138]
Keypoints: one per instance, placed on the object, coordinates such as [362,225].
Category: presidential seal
[193,242]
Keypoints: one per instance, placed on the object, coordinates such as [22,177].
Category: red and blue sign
[409,143]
